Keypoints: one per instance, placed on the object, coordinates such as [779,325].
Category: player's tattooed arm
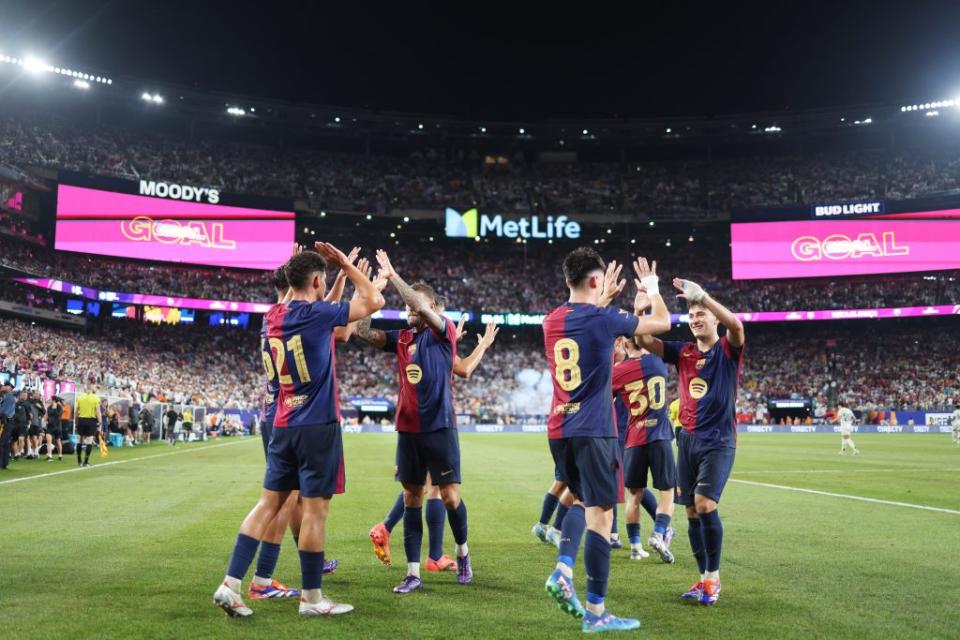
[464,367]
[658,321]
[410,297]
[692,292]
[373,337]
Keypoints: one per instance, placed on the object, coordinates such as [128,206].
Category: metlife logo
[473,224]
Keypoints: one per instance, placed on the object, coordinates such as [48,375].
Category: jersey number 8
[566,355]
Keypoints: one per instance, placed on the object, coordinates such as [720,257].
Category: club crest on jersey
[414,373]
[698,388]
[700,363]
[412,349]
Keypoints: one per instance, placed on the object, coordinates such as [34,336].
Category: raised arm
[694,293]
[659,319]
[612,287]
[410,297]
[367,334]
[336,291]
[366,299]
[641,303]
[464,367]
[342,334]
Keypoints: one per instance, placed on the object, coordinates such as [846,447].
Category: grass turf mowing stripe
[114,462]
[848,497]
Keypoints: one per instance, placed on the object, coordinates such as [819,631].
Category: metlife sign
[473,224]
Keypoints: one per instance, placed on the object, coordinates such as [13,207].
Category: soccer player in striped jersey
[263,586]
[427,439]
[579,338]
[709,371]
[640,385]
[435,510]
[305,452]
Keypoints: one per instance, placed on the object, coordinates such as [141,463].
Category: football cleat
[409,585]
[329,566]
[464,570]
[275,589]
[658,544]
[606,621]
[231,602]
[541,531]
[694,592]
[637,553]
[561,588]
[444,563]
[381,542]
[668,536]
[710,593]
[553,537]
[326,607]
[615,543]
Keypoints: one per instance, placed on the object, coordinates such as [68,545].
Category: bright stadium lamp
[34,64]
[81,84]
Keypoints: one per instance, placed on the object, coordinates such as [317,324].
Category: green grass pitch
[135,550]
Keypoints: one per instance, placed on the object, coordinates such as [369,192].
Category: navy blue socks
[311,569]
[267,559]
[550,503]
[436,517]
[573,525]
[396,513]
[661,522]
[696,543]
[412,532]
[458,522]
[649,503]
[712,532]
[596,562]
[243,552]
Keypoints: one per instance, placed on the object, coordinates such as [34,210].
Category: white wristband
[652,284]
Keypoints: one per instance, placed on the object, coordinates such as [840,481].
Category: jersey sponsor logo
[567,408]
[295,401]
[698,388]
[414,373]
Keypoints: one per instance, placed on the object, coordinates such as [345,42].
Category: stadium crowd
[496,278]
[429,179]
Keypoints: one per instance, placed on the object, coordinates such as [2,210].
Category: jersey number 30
[655,397]
[295,345]
[566,356]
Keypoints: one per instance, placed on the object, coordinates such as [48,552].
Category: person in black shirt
[146,425]
[54,428]
[172,416]
[21,417]
[37,411]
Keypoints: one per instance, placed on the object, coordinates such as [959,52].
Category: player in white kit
[846,418]
[956,427]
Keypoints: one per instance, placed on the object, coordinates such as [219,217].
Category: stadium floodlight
[155,98]
[585,132]
[81,84]
[323,214]
[932,114]
[652,223]
[483,129]
[236,111]
[369,217]
[420,127]
[669,130]
[336,119]
[522,131]
[34,64]
[406,218]
[772,129]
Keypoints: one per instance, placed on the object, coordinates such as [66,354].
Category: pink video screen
[132,226]
[816,248]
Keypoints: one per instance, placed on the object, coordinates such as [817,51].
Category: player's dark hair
[580,263]
[279,279]
[422,287]
[302,266]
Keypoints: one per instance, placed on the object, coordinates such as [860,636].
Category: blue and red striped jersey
[708,389]
[641,385]
[579,341]
[269,409]
[425,375]
[300,340]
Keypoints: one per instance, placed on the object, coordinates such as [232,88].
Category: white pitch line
[806,471]
[894,503]
[107,464]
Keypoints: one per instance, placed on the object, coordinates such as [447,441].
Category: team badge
[700,363]
[414,373]
[412,349]
[698,388]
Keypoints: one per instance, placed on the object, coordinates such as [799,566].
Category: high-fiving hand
[386,269]
[612,287]
[332,255]
[689,290]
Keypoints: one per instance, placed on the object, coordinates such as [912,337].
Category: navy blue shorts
[653,459]
[306,458]
[701,470]
[265,431]
[591,469]
[435,451]
[556,452]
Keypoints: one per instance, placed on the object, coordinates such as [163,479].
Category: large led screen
[815,248]
[147,228]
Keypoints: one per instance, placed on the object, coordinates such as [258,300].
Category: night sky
[505,62]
